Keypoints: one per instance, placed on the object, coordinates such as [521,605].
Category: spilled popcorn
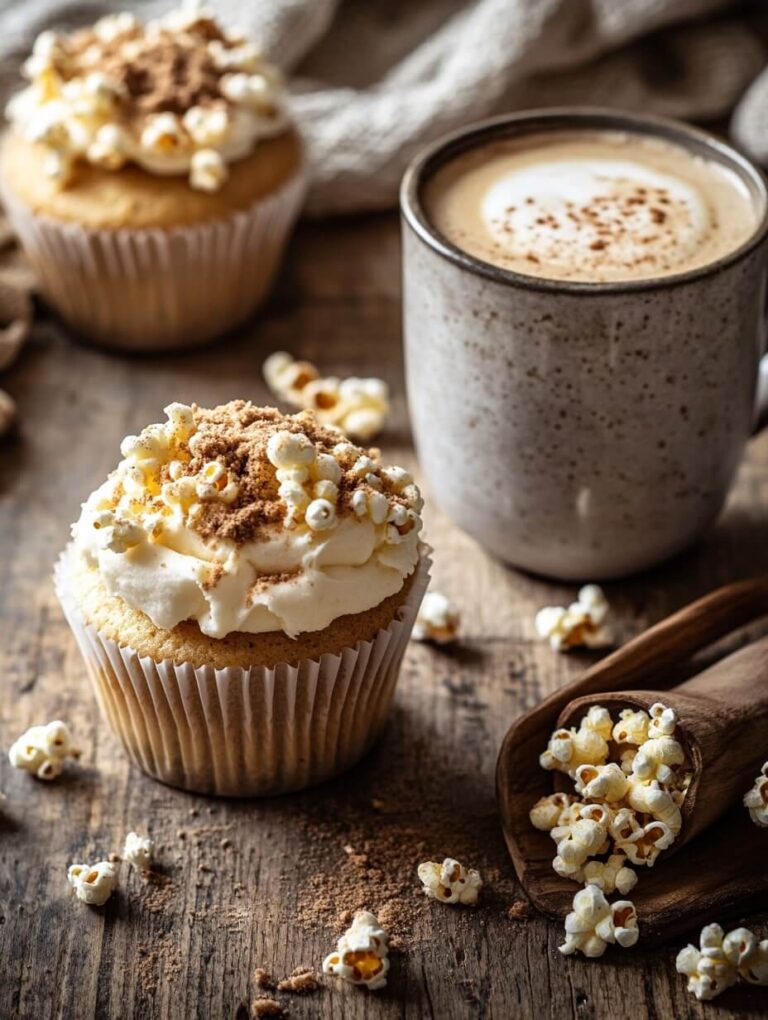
[359,407]
[42,750]
[721,960]
[139,851]
[594,923]
[630,779]
[93,883]
[362,953]
[437,620]
[580,625]
[450,882]
[756,800]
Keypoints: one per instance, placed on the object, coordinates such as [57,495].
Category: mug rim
[692,139]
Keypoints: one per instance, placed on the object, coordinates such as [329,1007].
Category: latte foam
[594,207]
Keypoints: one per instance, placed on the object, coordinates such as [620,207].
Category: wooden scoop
[724,869]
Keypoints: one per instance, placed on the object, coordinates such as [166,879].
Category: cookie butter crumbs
[302,981]
[265,1007]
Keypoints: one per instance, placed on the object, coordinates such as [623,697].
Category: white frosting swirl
[298,575]
[78,112]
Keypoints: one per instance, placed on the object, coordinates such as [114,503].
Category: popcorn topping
[359,407]
[93,883]
[721,960]
[594,923]
[245,519]
[177,95]
[42,750]
[450,882]
[437,620]
[362,953]
[139,850]
[581,624]
[756,800]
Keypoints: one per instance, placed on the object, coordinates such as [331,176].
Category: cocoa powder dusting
[364,857]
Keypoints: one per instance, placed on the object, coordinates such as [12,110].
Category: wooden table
[237,877]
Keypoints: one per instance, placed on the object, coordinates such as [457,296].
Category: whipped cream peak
[246,519]
[178,95]
[603,215]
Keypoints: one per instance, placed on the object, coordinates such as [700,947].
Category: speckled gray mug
[580,430]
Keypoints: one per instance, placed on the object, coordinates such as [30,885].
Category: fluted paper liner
[246,732]
[153,289]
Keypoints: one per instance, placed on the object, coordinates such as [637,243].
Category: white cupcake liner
[245,732]
[156,289]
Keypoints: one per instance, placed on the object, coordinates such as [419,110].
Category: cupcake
[242,589]
[152,175]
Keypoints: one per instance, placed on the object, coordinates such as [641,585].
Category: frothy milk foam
[590,206]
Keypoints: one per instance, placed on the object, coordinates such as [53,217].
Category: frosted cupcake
[152,175]
[242,588]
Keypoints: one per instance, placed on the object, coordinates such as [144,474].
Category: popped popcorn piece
[579,840]
[611,875]
[756,799]
[626,759]
[207,170]
[359,407]
[707,968]
[320,515]
[206,125]
[650,799]
[646,843]
[139,850]
[738,946]
[290,449]
[437,620]
[42,750]
[593,923]
[361,955]
[549,811]
[450,882]
[754,968]
[580,625]
[656,757]
[632,727]
[601,782]
[663,720]
[162,133]
[93,883]
[214,482]
[567,749]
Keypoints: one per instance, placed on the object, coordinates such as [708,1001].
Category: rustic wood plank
[187,945]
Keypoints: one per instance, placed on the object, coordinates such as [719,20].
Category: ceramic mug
[580,430]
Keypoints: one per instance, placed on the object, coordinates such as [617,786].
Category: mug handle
[761,403]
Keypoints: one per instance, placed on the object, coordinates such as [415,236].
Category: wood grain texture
[188,948]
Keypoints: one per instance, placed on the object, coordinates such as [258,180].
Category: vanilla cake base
[246,715]
[136,261]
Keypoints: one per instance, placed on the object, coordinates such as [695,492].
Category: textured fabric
[376,79]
